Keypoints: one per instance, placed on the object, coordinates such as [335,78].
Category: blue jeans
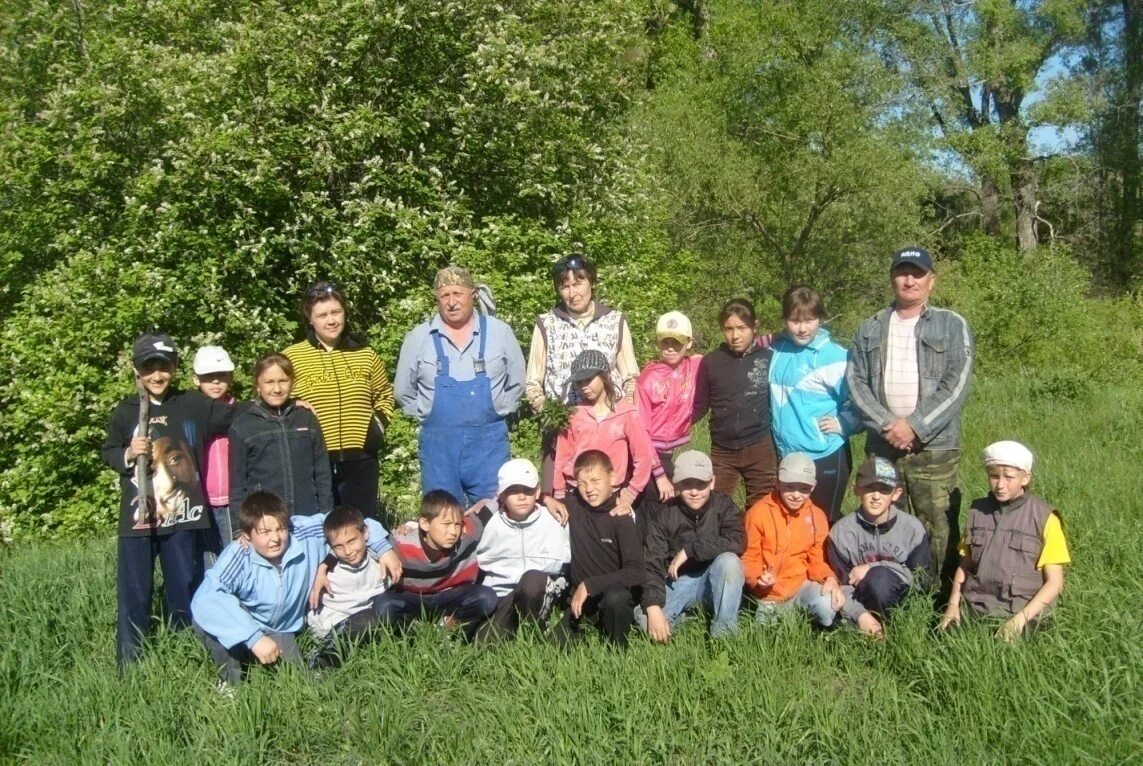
[809,598]
[717,588]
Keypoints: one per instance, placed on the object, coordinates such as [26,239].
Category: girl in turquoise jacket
[809,398]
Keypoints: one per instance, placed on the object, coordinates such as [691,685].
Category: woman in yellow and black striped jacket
[345,381]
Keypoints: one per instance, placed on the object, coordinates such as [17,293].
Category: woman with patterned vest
[576,323]
[1014,552]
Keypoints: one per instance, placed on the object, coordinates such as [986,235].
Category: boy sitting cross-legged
[606,555]
[1013,554]
[523,552]
[252,603]
[692,549]
[877,551]
[440,572]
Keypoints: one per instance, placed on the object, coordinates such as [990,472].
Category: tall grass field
[1071,693]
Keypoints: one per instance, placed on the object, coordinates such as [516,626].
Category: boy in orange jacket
[785,548]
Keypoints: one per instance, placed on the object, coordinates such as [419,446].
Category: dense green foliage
[787,695]
[1030,314]
[191,165]
[786,152]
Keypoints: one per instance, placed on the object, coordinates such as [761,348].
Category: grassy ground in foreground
[1071,694]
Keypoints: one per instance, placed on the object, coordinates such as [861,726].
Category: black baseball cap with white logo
[918,256]
[154,345]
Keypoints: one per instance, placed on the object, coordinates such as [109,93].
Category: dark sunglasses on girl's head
[571,263]
[321,289]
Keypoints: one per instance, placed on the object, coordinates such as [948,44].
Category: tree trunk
[1027,201]
[1126,242]
[990,214]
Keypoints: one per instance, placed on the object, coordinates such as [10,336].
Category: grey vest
[1004,544]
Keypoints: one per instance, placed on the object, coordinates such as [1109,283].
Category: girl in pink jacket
[665,392]
[604,422]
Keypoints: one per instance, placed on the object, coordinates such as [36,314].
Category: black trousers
[528,601]
[355,483]
[469,604]
[233,661]
[832,482]
[880,590]
[612,612]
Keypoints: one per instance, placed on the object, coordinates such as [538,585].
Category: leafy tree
[1114,68]
[974,65]
[191,165]
[784,148]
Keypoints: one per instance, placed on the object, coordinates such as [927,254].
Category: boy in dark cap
[168,520]
[878,550]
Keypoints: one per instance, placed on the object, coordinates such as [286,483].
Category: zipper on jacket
[287,465]
[278,594]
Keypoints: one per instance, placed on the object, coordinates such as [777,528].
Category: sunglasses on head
[321,290]
[573,262]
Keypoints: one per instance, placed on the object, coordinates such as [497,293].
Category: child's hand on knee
[1014,628]
[857,574]
[577,601]
[836,598]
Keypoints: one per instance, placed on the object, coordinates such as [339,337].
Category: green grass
[1070,694]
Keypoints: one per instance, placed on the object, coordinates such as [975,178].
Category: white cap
[1008,453]
[517,472]
[674,324]
[212,359]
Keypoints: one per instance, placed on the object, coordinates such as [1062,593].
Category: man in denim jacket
[908,379]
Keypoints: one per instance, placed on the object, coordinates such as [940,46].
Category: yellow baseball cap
[674,324]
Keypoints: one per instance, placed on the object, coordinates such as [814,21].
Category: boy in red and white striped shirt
[438,557]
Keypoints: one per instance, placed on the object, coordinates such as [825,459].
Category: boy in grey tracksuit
[878,550]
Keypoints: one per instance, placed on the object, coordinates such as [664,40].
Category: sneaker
[225,689]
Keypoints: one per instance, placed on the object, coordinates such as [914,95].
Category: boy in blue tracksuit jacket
[252,604]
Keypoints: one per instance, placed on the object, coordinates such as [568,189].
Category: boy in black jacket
[171,523]
[606,555]
[692,550]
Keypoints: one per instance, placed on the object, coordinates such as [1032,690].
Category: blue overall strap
[442,360]
[478,364]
